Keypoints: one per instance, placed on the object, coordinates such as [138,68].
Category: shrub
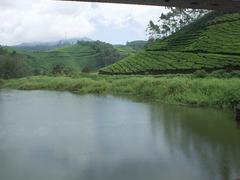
[57,69]
[235,74]
[86,69]
[218,73]
[67,71]
[200,73]
[224,74]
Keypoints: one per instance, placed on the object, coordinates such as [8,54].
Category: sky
[49,20]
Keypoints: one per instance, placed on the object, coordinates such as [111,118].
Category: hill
[137,45]
[125,50]
[45,46]
[131,47]
[211,43]
[87,56]
[94,55]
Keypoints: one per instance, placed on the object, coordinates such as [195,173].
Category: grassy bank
[174,90]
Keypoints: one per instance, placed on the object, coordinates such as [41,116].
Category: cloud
[47,20]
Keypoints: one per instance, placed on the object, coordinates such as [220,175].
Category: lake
[48,135]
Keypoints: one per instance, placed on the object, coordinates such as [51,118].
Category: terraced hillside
[125,50]
[211,43]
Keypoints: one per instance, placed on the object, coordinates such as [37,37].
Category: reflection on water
[207,136]
[61,136]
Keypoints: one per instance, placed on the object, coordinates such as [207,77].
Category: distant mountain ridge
[46,46]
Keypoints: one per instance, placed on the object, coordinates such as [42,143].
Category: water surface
[61,136]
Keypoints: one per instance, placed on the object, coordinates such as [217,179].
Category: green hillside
[84,54]
[90,55]
[137,45]
[131,47]
[211,43]
[125,50]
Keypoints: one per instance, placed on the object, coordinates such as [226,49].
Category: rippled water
[61,136]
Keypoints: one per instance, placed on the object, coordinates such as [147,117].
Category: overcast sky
[49,20]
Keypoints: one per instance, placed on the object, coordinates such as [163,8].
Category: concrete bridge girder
[223,5]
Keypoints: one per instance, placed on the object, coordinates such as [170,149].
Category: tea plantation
[211,43]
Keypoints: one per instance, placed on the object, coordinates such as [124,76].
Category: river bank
[212,92]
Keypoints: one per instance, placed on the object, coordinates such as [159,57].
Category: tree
[68,71]
[12,67]
[14,53]
[105,54]
[173,21]
[153,30]
[57,69]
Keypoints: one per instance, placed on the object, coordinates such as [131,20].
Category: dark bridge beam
[226,5]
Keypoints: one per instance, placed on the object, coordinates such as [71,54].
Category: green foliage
[57,69]
[105,53]
[68,71]
[60,69]
[176,90]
